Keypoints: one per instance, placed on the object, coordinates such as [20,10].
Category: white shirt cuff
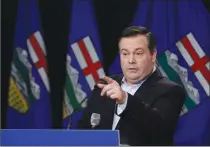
[121,107]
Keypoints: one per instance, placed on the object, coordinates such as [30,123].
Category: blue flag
[29,103]
[182,33]
[84,60]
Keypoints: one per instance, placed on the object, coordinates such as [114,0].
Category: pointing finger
[101,85]
[108,79]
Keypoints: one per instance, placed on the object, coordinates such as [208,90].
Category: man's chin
[133,79]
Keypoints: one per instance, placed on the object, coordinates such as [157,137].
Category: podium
[18,137]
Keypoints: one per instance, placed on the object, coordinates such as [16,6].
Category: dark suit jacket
[150,115]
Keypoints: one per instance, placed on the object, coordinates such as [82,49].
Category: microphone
[95,120]
[74,110]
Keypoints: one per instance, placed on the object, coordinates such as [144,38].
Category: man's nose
[132,59]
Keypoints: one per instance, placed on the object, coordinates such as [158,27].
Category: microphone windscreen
[95,119]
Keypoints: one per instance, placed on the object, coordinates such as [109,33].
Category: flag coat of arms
[29,103]
[182,33]
[84,59]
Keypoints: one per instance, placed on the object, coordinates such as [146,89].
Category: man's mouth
[132,69]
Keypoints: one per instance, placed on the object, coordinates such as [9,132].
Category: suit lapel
[145,89]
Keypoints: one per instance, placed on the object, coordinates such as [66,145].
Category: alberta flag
[84,60]
[182,33]
[29,103]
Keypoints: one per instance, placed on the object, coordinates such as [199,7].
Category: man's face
[136,60]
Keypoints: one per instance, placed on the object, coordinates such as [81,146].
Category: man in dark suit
[141,103]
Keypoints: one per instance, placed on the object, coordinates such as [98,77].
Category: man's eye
[139,53]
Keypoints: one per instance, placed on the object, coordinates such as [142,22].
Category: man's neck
[140,81]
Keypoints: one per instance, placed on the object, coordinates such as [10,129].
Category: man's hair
[138,30]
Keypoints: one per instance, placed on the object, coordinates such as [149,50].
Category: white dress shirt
[131,89]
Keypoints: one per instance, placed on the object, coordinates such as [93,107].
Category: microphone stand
[74,110]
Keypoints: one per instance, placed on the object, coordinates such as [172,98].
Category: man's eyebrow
[139,48]
[123,49]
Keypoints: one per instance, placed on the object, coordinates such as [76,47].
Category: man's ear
[154,55]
